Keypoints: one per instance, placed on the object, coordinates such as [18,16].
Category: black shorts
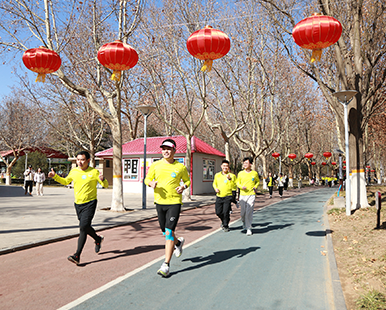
[168,216]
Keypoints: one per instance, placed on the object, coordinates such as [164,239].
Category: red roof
[135,147]
[50,153]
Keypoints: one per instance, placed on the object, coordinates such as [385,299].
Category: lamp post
[344,97]
[146,111]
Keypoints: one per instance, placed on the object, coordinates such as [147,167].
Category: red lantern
[344,167]
[275,155]
[368,167]
[208,44]
[327,155]
[117,56]
[344,161]
[313,163]
[317,32]
[292,156]
[323,163]
[309,155]
[372,170]
[333,163]
[42,61]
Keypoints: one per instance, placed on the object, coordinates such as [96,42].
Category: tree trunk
[357,172]
[117,198]
[290,176]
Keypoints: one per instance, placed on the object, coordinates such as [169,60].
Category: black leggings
[223,207]
[85,213]
[270,188]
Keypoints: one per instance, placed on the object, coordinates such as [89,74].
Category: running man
[224,183]
[85,180]
[164,177]
[248,181]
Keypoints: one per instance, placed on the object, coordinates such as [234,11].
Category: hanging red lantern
[327,155]
[42,61]
[309,155]
[275,155]
[368,167]
[292,156]
[317,32]
[344,167]
[208,44]
[313,163]
[372,170]
[344,161]
[117,56]
[323,163]
[333,163]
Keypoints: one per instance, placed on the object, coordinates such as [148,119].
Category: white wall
[199,185]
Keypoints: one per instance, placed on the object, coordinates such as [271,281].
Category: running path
[42,278]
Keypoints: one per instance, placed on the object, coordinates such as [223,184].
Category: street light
[146,111]
[344,97]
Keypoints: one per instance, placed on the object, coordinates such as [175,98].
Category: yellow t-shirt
[85,183]
[225,185]
[168,177]
[249,180]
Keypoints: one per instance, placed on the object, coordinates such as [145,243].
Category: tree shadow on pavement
[123,253]
[216,257]
[270,228]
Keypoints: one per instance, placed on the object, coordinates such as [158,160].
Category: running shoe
[74,259]
[164,270]
[178,249]
[226,229]
[98,245]
[249,232]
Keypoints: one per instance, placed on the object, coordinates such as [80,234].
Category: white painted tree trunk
[358,190]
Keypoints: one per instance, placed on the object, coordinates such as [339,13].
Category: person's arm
[215,186]
[102,181]
[149,180]
[64,181]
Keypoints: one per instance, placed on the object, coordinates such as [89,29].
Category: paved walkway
[288,263]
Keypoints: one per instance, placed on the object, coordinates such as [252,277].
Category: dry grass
[361,253]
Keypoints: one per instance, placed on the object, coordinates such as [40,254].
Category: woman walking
[39,178]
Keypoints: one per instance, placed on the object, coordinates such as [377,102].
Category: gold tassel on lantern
[116,76]
[316,55]
[207,65]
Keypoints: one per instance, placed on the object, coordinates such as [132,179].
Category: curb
[339,301]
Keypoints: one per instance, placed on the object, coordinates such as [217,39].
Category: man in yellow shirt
[85,180]
[224,183]
[165,177]
[248,181]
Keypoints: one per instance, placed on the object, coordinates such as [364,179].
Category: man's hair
[249,159]
[85,153]
[224,161]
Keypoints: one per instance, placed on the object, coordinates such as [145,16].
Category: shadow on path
[123,253]
[215,258]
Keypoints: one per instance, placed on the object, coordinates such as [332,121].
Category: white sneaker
[164,270]
[249,232]
[178,249]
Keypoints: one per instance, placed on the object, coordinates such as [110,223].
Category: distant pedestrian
[224,183]
[270,183]
[28,180]
[39,178]
[165,176]
[85,180]
[247,181]
[281,182]
[286,182]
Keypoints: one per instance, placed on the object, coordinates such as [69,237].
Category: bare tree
[20,129]
[355,62]
[63,26]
